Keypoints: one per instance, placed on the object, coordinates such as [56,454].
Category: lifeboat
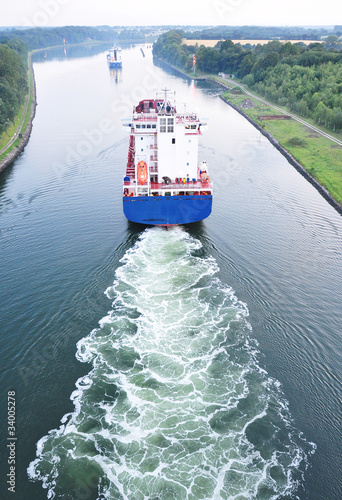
[204,176]
[142,172]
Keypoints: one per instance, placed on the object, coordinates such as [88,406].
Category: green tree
[13,81]
[208,59]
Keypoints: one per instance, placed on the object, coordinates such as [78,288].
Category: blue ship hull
[115,64]
[167,210]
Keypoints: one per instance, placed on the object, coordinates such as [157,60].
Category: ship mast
[166,106]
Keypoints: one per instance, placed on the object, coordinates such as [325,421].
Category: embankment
[23,135]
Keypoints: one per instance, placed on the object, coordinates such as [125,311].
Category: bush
[297,141]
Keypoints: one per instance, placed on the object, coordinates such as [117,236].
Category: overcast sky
[174,12]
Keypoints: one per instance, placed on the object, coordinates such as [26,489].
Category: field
[212,43]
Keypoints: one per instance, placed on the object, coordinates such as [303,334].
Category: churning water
[176,404]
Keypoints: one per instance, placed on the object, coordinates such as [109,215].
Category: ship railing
[155,190]
[180,186]
[145,117]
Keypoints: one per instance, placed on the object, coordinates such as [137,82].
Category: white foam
[174,388]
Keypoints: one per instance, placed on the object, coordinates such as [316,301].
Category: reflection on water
[69,51]
[116,74]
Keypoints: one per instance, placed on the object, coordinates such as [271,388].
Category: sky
[175,12]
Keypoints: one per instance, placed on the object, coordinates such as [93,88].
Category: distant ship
[164,185]
[114,57]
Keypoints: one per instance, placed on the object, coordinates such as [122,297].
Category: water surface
[211,366]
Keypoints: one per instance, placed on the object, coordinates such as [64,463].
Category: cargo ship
[164,185]
[114,57]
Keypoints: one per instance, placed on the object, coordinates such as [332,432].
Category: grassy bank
[319,156]
[21,121]
[9,133]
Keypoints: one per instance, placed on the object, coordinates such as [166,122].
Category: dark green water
[210,368]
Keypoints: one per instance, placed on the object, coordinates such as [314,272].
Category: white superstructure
[167,141]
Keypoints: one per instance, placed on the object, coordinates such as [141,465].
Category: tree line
[40,38]
[305,78]
[13,80]
[263,33]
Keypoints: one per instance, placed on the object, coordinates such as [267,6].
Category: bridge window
[170,124]
[162,124]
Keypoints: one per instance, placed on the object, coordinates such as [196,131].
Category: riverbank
[192,76]
[21,135]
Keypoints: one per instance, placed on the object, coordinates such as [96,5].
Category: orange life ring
[142,172]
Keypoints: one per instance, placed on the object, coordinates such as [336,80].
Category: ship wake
[176,405]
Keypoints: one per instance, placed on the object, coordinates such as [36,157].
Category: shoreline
[186,75]
[25,134]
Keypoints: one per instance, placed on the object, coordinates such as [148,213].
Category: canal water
[203,362]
